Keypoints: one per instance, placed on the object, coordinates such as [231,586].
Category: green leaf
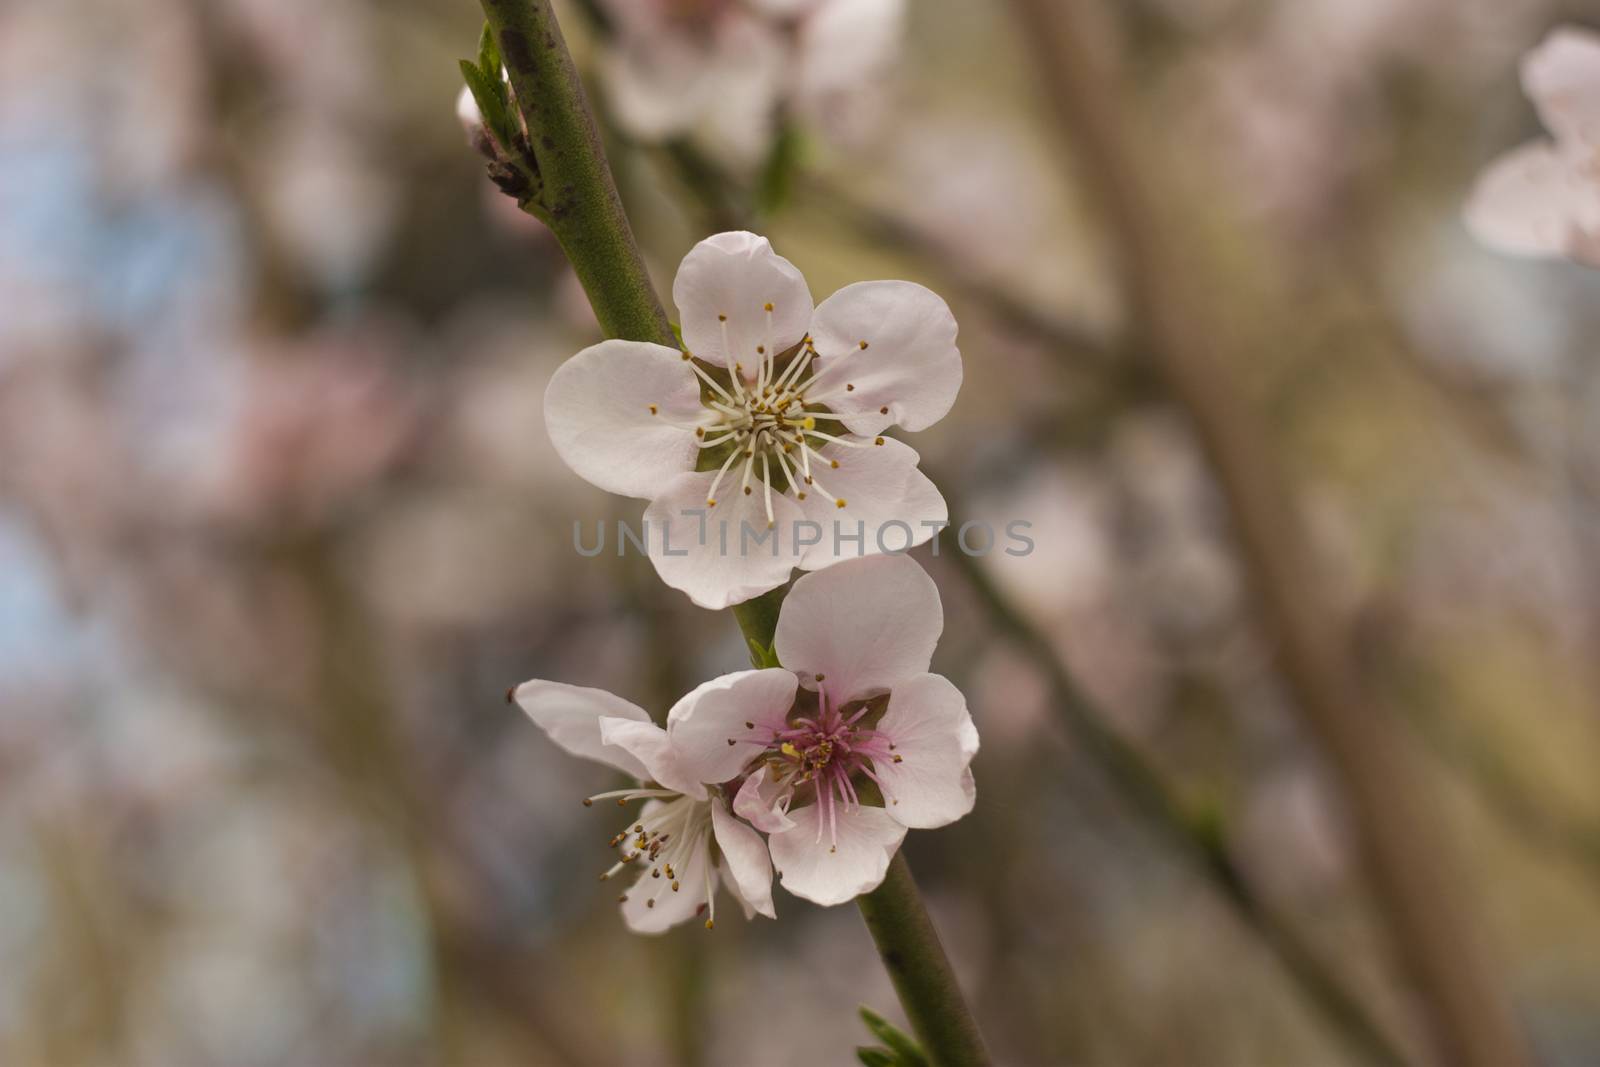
[907,1053]
[488,53]
[875,1057]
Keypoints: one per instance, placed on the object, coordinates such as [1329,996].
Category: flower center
[824,752]
[668,839]
[768,425]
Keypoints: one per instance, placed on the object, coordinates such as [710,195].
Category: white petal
[846,43]
[571,715]
[726,554]
[702,723]
[1534,202]
[866,624]
[467,111]
[748,70]
[737,274]
[887,500]
[598,411]
[911,365]
[932,733]
[656,87]
[825,871]
[763,804]
[1562,78]
[671,908]
[648,743]
[745,859]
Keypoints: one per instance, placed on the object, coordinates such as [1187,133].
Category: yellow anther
[808,423]
[788,749]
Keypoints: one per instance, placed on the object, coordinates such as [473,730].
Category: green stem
[579,200]
[577,195]
[920,970]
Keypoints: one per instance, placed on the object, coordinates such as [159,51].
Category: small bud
[472,122]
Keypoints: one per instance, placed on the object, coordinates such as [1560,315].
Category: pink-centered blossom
[1543,199]
[871,746]
[760,444]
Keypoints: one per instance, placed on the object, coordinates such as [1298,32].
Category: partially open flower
[684,841]
[873,744]
[760,444]
[1543,199]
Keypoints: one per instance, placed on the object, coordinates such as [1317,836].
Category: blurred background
[279,524]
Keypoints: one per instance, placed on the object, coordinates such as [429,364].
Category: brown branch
[1429,921]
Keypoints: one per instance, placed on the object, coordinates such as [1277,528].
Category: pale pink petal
[832,867]
[1562,78]
[571,715]
[763,803]
[726,554]
[671,908]
[928,785]
[891,504]
[866,625]
[702,723]
[648,743]
[748,69]
[737,275]
[622,415]
[909,371]
[1532,202]
[845,44]
[657,85]
[744,859]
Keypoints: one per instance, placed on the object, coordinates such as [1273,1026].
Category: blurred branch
[1200,835]
[1433,933]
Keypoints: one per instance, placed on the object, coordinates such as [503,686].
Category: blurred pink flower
[1543,199]
[314,425]
[633,418]
[728,68]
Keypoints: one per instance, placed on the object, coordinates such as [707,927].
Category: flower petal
[888,501]
[571,714]
[745,859]
[895,342]
[1533,202]
[702,723]
[598,409]
[649,744]
[844,43]
[671,908]
[656,79]
[866,625]
[723,555]
[934,740]
[1562,78]
[826,870]
[737,274]
[763,803]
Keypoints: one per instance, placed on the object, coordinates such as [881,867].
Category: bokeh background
[279,524]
